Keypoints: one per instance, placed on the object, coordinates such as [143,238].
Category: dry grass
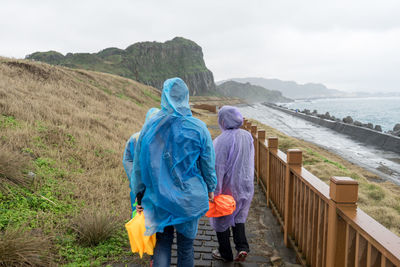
[378,198]
[19,248]
[81,119]
[74,125]
[12,165]
[94,225]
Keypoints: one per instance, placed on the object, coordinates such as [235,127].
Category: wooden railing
[321,223]
[211,108]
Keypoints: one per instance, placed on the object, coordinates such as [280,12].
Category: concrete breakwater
[365,135]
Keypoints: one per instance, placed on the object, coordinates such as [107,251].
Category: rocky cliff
[150,63]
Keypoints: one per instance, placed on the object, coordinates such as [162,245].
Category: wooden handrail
[321,222]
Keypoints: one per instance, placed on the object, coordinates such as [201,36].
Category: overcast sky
[351,45]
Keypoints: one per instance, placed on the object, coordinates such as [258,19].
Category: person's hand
[211,196]
[139,208]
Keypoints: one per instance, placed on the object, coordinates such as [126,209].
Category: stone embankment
[363,134]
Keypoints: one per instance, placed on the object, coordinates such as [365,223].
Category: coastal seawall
[365,135]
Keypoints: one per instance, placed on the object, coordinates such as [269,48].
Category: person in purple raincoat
[234,164]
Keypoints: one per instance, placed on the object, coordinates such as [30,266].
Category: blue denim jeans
[162,251]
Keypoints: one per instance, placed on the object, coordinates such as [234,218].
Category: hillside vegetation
[150,63]
[292,89]
[251,93]
[64,196]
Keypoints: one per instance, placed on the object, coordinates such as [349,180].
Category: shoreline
[384,165]
[378,113]
[381,140]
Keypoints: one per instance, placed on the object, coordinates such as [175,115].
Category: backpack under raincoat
[175,163]
[129,156]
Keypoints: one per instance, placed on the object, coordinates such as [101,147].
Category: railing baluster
[297,211]
[301,233]
[383,261]
[347,246]
[369,252]
[356,260]
[310,225]
[306,222]
[314,230]
[325,234]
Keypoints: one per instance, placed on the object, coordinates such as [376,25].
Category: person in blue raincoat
[175,163]
[129,156]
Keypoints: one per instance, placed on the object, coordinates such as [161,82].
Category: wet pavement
[263,234]
[383,163]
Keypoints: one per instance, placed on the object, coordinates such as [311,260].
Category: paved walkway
[263,234]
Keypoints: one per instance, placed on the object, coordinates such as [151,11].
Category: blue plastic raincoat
[175,163]
[234,151]
[129,156]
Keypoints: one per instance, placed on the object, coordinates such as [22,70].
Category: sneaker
[216,255]
[241,256]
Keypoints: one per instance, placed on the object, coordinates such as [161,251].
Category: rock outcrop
[150,63]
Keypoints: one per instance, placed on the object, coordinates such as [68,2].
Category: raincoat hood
[175,97]
[229,118]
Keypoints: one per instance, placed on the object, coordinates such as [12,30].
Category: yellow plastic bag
[139,242]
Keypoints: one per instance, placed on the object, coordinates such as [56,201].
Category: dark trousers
[162,251]
[239,238]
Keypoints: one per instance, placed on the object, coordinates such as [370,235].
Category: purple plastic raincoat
[234,164]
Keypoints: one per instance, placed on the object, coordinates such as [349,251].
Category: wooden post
[272,147]
[273,144]
[343,193]
[254,130]
[255,141]
[294,161]
[244,124]
[260,139]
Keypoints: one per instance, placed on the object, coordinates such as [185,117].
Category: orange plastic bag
[223,205]
[138,241]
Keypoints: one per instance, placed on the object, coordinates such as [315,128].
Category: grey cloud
[348,45]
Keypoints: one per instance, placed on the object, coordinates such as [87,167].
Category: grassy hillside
[62,185]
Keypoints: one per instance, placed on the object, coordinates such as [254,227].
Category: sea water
[383,111]
[386,164]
